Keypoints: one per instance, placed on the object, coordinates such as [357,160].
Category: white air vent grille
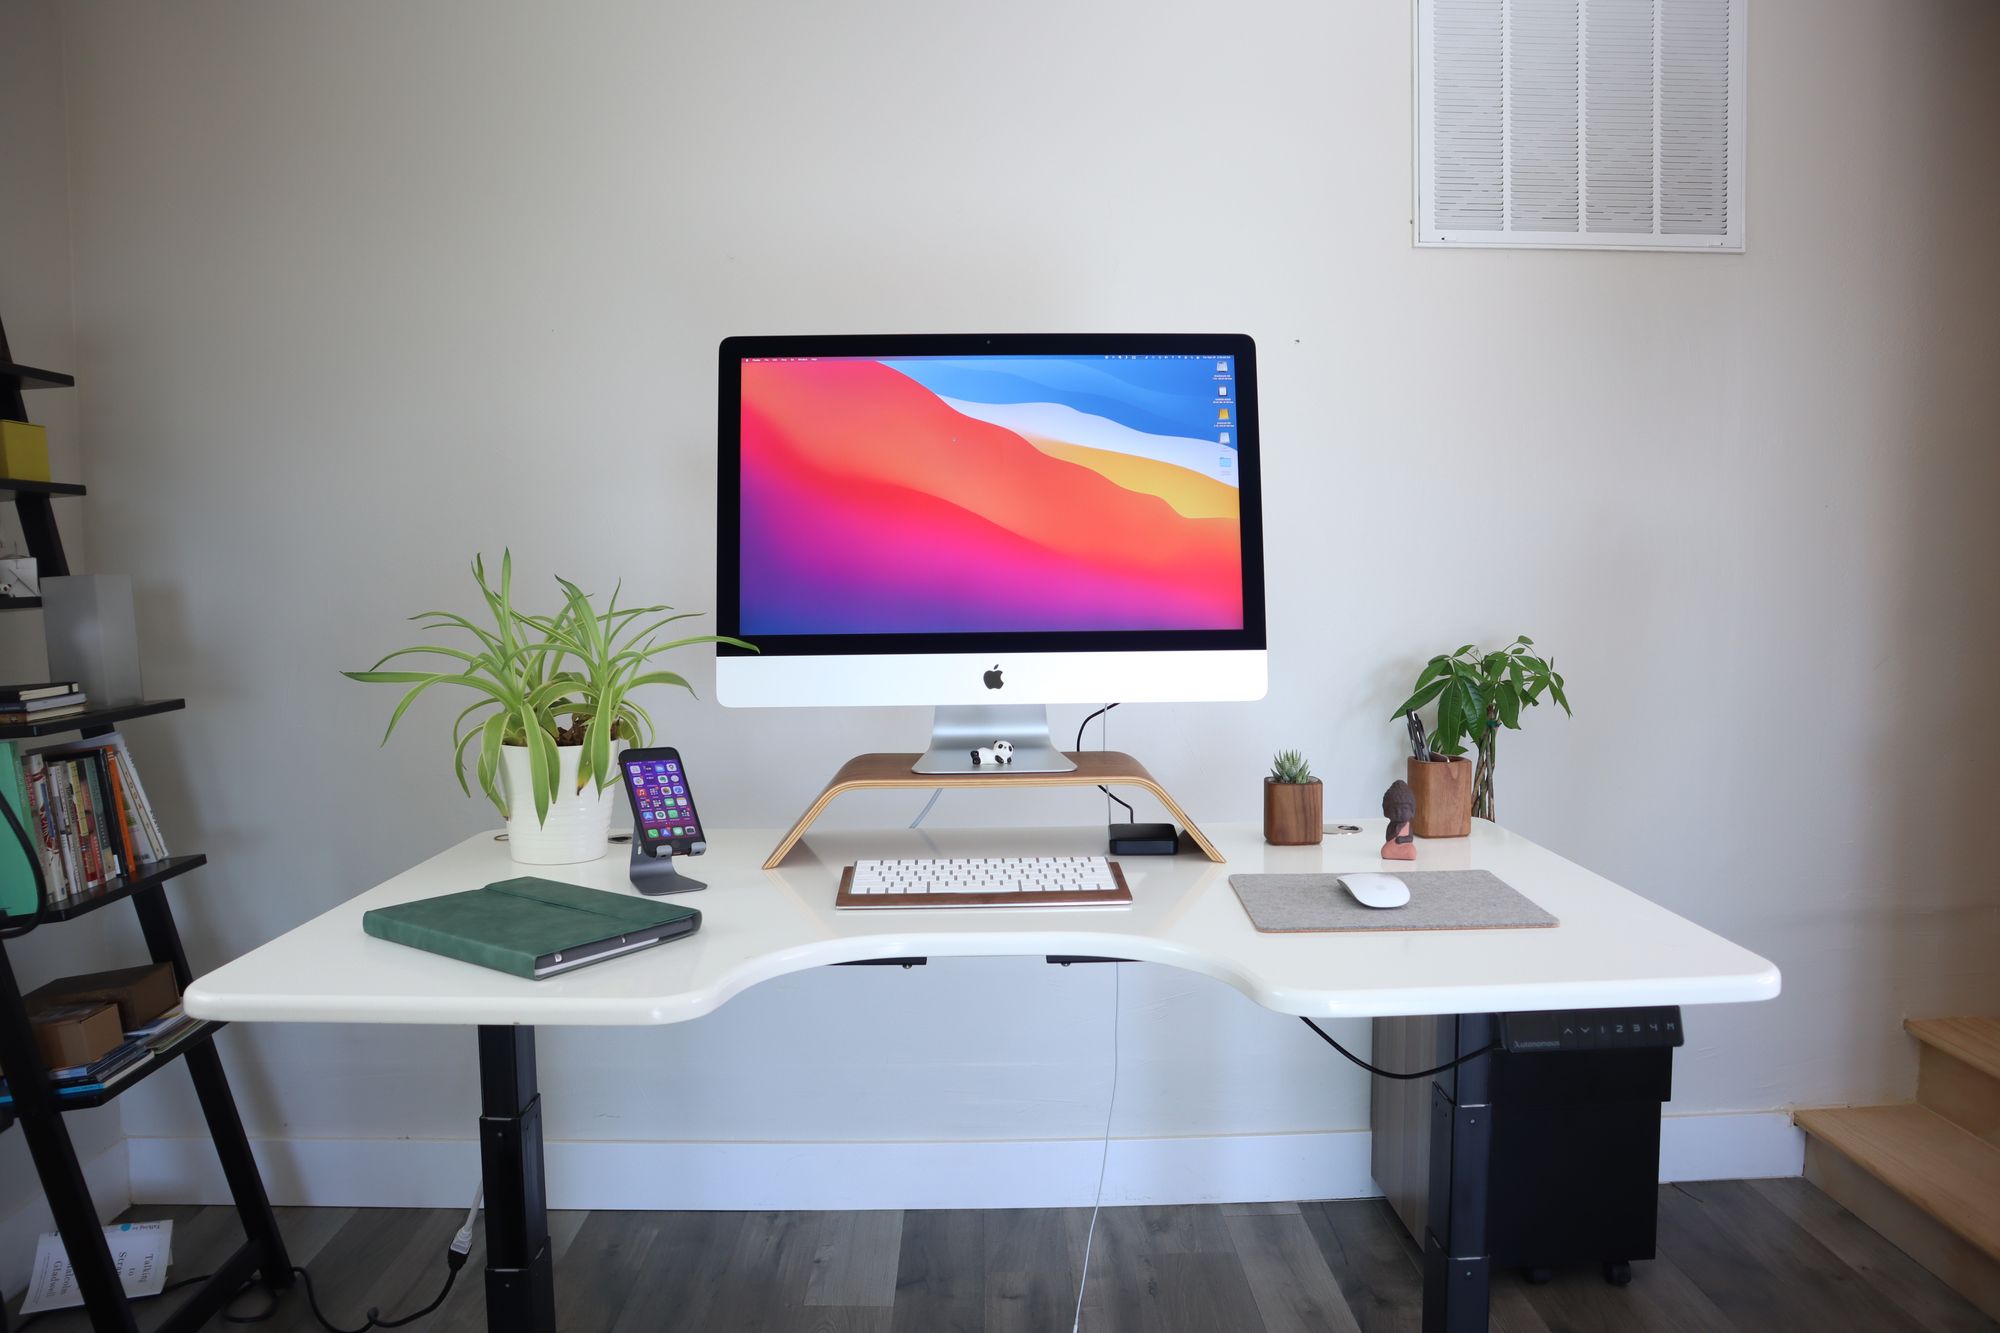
[1600,123]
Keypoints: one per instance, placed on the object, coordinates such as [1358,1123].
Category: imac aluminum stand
[958,732]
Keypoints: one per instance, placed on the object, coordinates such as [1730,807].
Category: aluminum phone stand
[653,873]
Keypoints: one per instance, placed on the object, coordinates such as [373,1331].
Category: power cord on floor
[1387,1073]
[454,1259]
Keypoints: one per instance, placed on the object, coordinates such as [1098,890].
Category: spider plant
[532,671]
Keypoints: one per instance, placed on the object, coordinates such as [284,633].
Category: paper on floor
[140,1251]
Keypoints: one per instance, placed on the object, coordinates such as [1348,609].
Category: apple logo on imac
[992,678]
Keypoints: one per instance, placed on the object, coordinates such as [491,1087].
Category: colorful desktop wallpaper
[965,494]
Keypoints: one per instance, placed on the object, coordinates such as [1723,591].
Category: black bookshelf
[14,487]
[196,1036]
[89,720]
[27,377]
[117,890]
[37,1107]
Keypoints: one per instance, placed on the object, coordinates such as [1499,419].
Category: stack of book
[85,805]
[140,1048]
[166,1030]
[44,702]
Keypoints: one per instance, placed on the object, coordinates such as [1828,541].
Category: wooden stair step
[1948,1172]
[1974,1041]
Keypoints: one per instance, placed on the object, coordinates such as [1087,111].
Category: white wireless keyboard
[1034,882]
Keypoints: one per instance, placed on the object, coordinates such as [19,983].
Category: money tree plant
[1477,693]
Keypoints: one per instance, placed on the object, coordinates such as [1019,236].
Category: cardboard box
[24,451]
[76,1034]
[141,993]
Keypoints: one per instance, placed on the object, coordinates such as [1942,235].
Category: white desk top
[1611,948]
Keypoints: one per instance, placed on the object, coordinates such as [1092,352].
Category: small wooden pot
[1294,813]
[1443,787]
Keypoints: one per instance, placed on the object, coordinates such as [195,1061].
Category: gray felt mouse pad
[1439,900]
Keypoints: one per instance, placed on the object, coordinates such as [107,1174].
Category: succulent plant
[1290,767]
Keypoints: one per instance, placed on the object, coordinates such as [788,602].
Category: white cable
[935,793]
[1104,1158]
[462,1242]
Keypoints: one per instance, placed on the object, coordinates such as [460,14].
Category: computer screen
[995,493]
[1008,517]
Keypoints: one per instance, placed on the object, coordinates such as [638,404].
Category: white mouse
[1376,890]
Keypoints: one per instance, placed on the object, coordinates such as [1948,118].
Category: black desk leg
[520,1275]
[1457,1264]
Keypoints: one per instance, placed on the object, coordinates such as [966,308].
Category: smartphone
[663,813]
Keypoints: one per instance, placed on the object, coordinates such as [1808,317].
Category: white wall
[35,303]
[364,289]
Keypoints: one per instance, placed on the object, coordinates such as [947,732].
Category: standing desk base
[520,1271]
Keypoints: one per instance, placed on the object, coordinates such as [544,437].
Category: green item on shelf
[531,927]
[17,872]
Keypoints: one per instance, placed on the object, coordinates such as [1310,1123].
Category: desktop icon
[1222,414]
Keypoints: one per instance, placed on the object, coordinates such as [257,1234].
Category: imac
[989,524]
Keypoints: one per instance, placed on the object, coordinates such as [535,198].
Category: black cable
[1079,745]
[1386,1073]
[34,855]
[454,1260]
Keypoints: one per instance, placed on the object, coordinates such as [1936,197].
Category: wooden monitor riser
[1093,767]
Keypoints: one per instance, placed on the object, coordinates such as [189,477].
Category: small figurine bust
[1399,806]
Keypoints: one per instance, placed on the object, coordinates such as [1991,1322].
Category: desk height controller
[1591,1029]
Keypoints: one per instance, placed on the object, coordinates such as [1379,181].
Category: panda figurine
[1000,752]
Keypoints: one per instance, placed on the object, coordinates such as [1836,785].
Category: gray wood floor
[1751,1256]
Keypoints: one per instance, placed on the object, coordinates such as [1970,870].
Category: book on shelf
[17,875]
[84,803]
[100,1075]
[42,710]
[11,695]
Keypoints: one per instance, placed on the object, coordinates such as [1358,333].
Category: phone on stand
[665,823]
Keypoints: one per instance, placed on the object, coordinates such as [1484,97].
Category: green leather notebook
[532,927]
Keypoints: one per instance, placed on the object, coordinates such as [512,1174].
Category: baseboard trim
[1253,1168]
[1739,1145]
[109,1178]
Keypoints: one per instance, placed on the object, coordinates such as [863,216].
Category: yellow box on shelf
[24,451]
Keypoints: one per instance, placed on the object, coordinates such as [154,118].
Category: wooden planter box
[1294,813]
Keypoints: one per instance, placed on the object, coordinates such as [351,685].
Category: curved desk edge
[542,1009]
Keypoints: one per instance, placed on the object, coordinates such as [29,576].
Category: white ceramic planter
[579,822]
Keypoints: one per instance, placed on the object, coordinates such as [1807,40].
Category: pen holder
[1443,787]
